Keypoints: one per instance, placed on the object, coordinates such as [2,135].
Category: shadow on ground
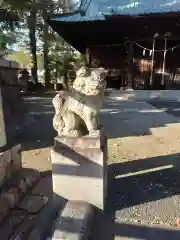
[130,183]
[125,119]
[134,191]
[38,132]
[171,107]
[144,181]
[126,231]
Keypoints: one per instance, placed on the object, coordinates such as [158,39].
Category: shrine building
[137,40]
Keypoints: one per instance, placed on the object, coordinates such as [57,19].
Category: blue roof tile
[97,9]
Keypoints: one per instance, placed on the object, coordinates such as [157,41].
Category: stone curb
[145,95]
[74,222]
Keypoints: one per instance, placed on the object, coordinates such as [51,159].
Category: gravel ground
[144,155]
[144,166]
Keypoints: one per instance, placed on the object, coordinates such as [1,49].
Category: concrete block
[74,222]
[79,171]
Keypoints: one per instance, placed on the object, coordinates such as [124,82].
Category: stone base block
[79,167]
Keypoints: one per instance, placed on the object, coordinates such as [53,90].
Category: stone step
[24,218]
[15,188]
[74,222]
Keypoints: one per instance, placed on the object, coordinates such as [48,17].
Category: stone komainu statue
[77,111]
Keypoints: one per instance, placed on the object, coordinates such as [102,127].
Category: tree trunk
[66,80]
[32,39]
[46,57]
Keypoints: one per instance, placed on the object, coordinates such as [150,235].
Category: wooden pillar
[130,74]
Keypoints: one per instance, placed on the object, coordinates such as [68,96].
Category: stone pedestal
[79,167]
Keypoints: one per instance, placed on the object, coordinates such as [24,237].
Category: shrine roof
[107,22]
[100,9]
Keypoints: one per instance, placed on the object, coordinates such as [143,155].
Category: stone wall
[11,96]
[10,161]
[9,75]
